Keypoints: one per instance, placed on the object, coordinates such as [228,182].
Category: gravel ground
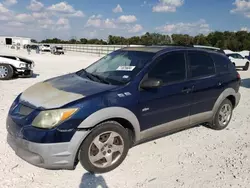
[198,157]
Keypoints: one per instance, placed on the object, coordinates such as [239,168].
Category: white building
[8,40]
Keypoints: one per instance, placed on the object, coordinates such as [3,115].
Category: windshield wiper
[100,78]
[86,73]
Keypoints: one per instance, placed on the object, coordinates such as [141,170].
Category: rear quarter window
[222,63]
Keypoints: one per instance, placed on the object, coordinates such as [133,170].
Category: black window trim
[154,62]
[189,71]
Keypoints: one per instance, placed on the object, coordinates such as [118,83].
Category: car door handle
[219,84]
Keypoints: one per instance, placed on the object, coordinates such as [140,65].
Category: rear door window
[200,65]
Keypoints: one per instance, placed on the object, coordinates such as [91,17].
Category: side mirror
[151,83]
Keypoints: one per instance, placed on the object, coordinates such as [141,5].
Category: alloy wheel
[106,149]
[225,114]
[3,71]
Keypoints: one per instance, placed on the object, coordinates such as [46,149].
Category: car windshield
[117,68]
[236,56]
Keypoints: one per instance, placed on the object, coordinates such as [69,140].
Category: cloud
[15,24]
[244,29]
[40,15]
[135,29]
[167,5]
[97,22]
[10,2]
[192,28]
[241,7]
[35,5]
[24,17]
[127,19]
[117,9]
[3,9]
[65,9]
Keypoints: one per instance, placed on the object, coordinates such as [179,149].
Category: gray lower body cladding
[49,156]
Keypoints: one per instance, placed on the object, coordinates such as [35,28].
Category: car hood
[59,91]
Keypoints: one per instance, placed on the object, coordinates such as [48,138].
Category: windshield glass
[119,67]
[236,56]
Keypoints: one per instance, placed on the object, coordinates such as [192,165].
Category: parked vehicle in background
[245,54]
[33,46]
[11,65]
[130,96]
[57,50]
[209,48]
[238,61]
[45,48]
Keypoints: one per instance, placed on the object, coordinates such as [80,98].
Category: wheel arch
[122,115]
[228,93]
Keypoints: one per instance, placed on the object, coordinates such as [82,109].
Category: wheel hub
[106,149]
[3,71]
[225,114]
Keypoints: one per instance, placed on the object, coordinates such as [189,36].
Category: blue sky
[99,18]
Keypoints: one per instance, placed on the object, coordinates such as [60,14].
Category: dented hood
[59,91]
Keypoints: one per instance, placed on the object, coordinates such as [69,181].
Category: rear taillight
[238,76]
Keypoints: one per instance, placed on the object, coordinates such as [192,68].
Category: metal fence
[88,48]
[91,49]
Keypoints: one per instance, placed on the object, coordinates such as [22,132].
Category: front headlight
[22,65]
[51,118]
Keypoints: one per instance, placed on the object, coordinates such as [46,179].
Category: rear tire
[223,116]
[246,66]
[105,147]
[6,72]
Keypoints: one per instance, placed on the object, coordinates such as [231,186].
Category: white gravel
[195,158]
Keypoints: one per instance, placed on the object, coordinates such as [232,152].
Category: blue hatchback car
[130,96]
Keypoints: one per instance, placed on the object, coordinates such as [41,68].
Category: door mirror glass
[151,83]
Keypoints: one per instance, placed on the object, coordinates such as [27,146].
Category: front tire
[245,68]
[223,115]
[6,72]
[105,147]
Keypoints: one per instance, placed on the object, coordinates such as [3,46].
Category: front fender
[109,113]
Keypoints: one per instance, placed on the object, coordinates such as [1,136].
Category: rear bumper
[49,156]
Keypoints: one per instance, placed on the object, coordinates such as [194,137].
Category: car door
[207,86]
[166,108]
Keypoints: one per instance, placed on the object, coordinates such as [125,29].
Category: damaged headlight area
[51,118]
[22,65]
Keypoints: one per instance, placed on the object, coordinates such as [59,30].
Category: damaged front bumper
[52,156]
[24,72]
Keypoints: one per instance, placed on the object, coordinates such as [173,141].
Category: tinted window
[200,65]
[170,68]
[236,56]
[221,63]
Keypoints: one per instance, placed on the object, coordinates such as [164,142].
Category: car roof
[232,53]
[12,55]
[157,49]
[208,47]
[154,49]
